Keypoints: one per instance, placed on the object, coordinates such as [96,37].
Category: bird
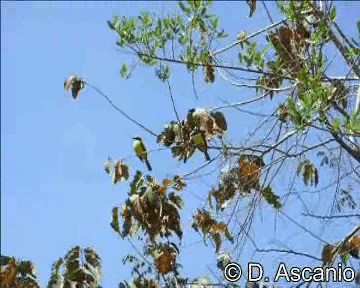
[198,138]
[140,151]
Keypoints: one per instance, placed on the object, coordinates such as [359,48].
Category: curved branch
[230,67]
[121,111]
[248,37]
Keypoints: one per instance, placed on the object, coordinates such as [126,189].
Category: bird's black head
[136,138]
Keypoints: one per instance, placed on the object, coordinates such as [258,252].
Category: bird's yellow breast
[138,148]
[198,140]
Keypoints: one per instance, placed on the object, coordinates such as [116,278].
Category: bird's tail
[148,165]
[207,156]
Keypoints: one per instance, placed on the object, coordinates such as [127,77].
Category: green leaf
[115,220]
[124,71]
[336,124]
[136,183]
[215,23]
[345,258]
[228,235]
[182,6]
[307,174]
[176,200]
[271,198]
[197,4]
[115,24]
[315,177]
[333,14]
[301,165]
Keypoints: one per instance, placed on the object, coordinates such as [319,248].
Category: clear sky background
[54,192]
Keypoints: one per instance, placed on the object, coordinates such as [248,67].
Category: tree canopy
[301,146]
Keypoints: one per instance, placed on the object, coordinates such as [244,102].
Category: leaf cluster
[241,180]
[17,274]
[78,267]
[194,29]
[309,173]
[118,171]
[343,249]
[150,207]
[177,135]
[209,226]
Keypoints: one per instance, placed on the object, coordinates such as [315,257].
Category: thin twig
[288,252]
[201,167]
[248,37]
[256,86]
[172,100]
[241,103]
[303,228]
[331,217]
[225,66]
[121,111]
[267,11]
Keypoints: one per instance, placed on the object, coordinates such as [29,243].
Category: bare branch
[241,103]
[332,217]
[172,100]
[288,252]
[121,111]
[248,37]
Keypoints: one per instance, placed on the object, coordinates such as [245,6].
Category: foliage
[80,267]
[118,171]
[150,207]
[308,111]
[17,274]
[177,135]
[208,225]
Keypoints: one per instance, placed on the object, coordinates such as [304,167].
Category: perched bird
[140,151]
[198,138]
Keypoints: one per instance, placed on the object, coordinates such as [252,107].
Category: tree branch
[121,111]
[331,217]
[248,37]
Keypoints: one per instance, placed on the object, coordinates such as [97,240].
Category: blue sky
[54,192]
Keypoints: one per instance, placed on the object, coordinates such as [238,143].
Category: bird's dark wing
[143,147]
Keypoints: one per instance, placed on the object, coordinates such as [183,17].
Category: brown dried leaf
[75,83]
[115,220]
[107,166]
[310,173]
[178,183]
[252,5]
[289,45]
[176,200]
[208,225]
[249,171]
[125,171]
[354,246]
[327,254]
[165,263]
[8,275]
[283,113]
[209,73]
[121,170]
[165,185]
[68,83]
[219,120]
[217,239]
